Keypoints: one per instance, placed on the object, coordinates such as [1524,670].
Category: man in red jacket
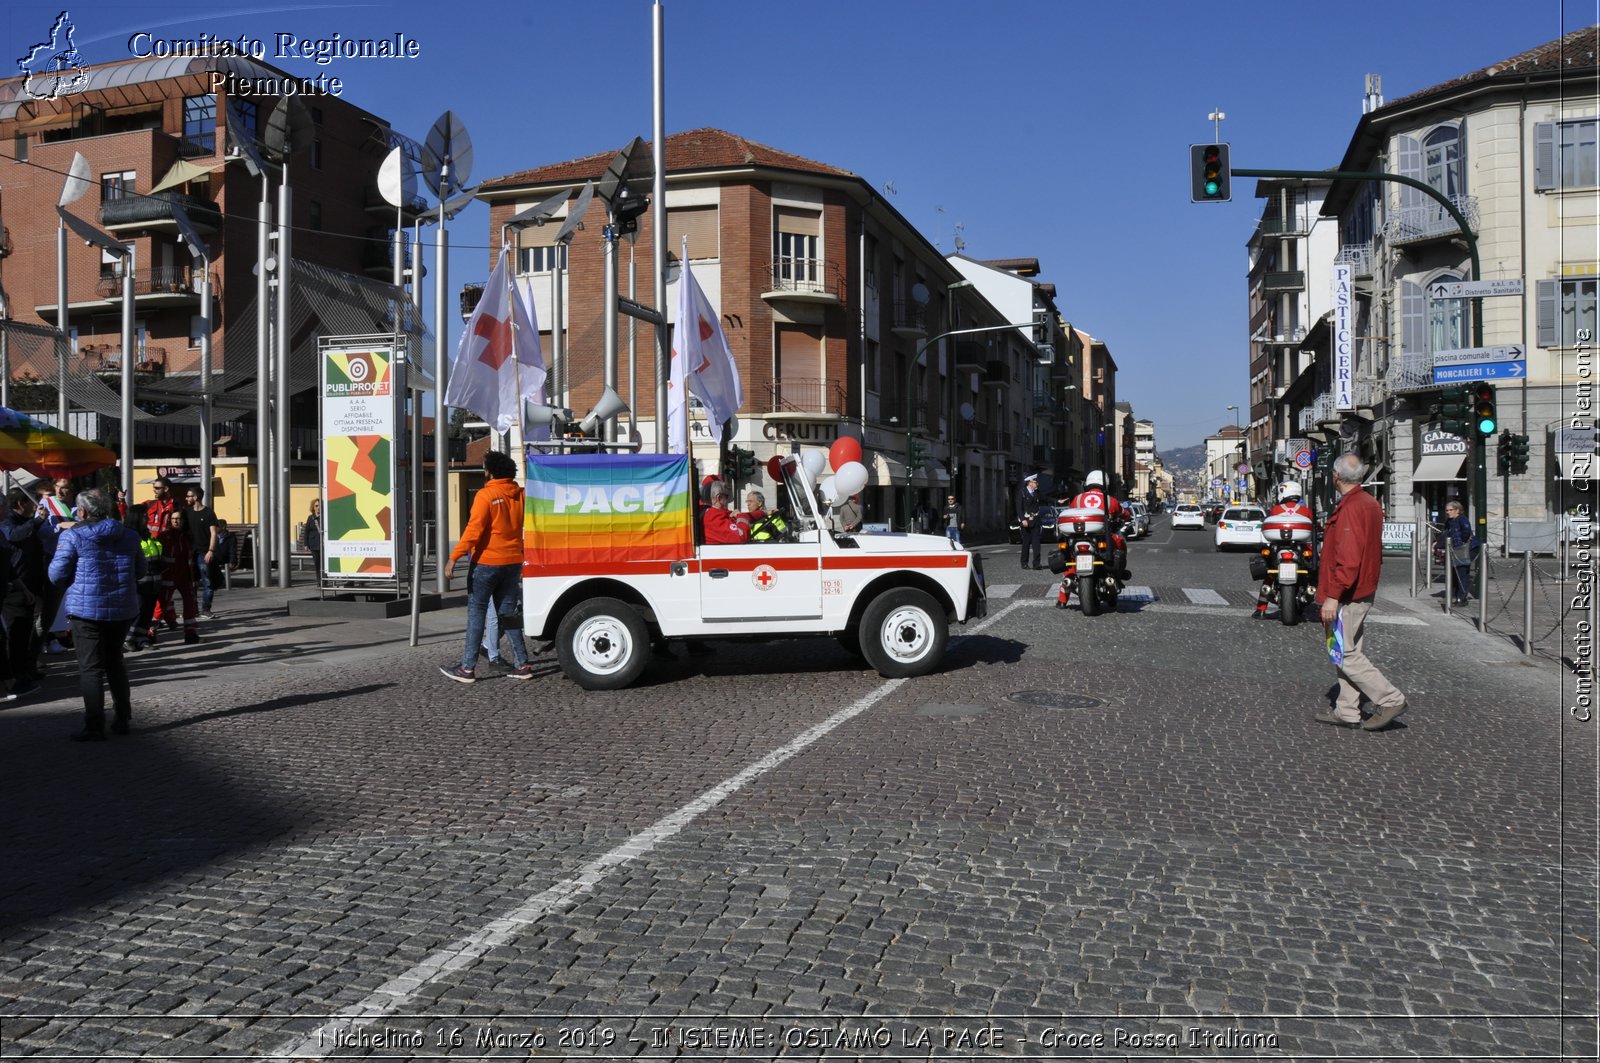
[721,524]
[1352,554]
[493,538]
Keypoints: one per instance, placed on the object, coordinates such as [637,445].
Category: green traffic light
[1211,188]
[1486,426]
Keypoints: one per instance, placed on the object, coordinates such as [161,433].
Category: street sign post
[1454,374]
[1302,459]
[1509,352]
[1474,289]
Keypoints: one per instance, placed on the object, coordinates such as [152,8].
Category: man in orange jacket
[493,538]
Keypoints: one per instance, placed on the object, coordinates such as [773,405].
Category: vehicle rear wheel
[903,633]
[1088,597]
[603,644]
[1289,606]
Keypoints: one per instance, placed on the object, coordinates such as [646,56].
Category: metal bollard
[1427,560]
[1527,603]
[1413,561]
[419,553]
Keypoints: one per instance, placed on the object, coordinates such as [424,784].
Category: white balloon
[814,462]
[850,478]
[829,489]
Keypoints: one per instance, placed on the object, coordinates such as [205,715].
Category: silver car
[1138,522]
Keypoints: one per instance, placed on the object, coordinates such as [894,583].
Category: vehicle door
[762,581]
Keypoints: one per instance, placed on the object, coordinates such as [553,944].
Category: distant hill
[1185,458]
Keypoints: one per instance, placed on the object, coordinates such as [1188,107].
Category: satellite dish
[967,412]
[541,212]
[397,180]
[919,294]
[574,220]
[77,182]
[450,207]
[447,155]
[628,166]
[180,218]
[288,129]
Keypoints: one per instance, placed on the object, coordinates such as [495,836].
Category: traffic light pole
[1480,486]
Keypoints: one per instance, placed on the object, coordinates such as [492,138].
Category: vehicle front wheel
[603,644]
[903,633]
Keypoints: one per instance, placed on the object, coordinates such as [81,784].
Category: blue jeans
[953,533]
[203,583]
[499,587]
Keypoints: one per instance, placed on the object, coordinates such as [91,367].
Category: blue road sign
[1451,374]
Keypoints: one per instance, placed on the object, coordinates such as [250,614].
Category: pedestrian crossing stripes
[1200,600]
[1204,596]
[1136,593]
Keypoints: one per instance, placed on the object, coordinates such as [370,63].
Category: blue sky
[1055,129]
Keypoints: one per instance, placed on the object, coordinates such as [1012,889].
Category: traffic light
[1518,458]
[1483,414]
[919,454]
[1502,455]
[1451,410]
[1210,179]
[744,464]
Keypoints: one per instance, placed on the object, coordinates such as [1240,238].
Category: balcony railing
[1044,402]
[193,145]
[997,373]
[1322,408]
[1358,257]
[156,208]
[1368,392]
[1429,221]
[159,280]
[970,353]
[808,395]
[1290,280]
[107,358]
[807,276]
[1411,372]
[1041,453]
[909,316]
[1293,225]
[1306,420]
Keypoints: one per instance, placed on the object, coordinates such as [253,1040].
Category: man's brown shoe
[1383,717]
[1336,720]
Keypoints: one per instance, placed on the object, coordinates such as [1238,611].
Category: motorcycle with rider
[1091,555]
[1286,562]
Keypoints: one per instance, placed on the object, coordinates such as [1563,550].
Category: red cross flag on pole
[498,363]
[701,362]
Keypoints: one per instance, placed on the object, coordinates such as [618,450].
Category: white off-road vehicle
[613,562]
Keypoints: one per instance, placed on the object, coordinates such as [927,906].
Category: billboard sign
[360,422]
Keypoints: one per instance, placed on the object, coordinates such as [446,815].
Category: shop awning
[886,472]
[1438,468]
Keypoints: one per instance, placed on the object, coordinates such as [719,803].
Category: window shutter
[1546,297]
[1408,163]
[1413,319]
[1544,156]
[699,224]
[800,222]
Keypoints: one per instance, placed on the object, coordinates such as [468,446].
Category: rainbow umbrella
[26,443]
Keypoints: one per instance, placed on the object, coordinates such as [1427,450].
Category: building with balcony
[1512,147]
[157,136]
[837,311]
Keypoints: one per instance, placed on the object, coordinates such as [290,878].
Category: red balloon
[845,449]
[775,468]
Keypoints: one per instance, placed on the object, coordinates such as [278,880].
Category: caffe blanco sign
[1440,442]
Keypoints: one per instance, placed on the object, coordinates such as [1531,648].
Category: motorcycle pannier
[1058,561]
[1258,568]
[1076,519]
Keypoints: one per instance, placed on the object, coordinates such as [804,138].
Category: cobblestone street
[1120,835]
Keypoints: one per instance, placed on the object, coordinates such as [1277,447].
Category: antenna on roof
[890,189]
[1374,97]
[961,245]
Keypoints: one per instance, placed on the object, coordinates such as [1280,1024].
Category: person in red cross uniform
[1095,496]
[719,523]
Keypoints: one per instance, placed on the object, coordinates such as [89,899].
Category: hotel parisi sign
[1437,441]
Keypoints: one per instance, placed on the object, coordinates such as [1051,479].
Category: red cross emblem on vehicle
[764,577]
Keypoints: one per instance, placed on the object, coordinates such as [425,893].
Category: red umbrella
[44,450]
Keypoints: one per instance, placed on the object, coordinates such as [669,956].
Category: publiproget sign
[358,461]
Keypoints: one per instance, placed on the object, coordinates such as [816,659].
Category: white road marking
[1402,621]
[1002,590]
[1204,596]
[399,991]
[1136,593]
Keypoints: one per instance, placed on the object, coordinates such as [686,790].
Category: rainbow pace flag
[604,510]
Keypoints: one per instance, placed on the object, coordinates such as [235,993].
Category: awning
[183,171]
[1438,468]
[886,472]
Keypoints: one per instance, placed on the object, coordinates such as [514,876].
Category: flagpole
[516,369]
[658,221]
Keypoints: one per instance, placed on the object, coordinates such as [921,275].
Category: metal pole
[127,375]
[416,583]
[1483,589]
[261,552]
[1413,562]
[281,536]
[1427,556]
[658,221]
[205,381]
[5,368]
[633,341]
[62,324]
[1527,602]
[608,427]
[558,363]
[441,444]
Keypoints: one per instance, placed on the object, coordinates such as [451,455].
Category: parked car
[1214,511]
[1239,526]
[1188,515]
[1138,522]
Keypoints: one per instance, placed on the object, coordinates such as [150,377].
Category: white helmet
[1289,489]
[1095,479]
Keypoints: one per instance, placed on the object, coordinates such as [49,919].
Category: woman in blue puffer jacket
[100,563]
